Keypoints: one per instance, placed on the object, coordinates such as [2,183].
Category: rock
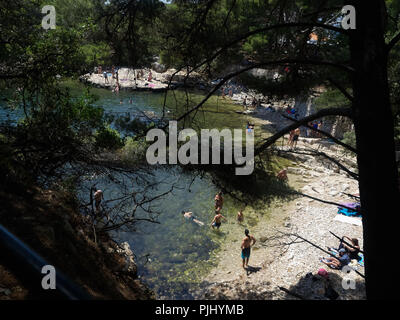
[130,265]
[5,291]
[160,68]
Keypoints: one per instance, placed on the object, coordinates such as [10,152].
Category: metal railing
[28,265]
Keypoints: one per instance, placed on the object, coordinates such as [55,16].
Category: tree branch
[341,89]
[258,65]
[319,114]
[393,42]
[323,154]
[337,141]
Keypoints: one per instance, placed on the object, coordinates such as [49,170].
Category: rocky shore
[281,260]
[49,222]
[138,79]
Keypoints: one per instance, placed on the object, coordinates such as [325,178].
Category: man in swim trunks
[247,243]
[190,216]
[219,201]
[217,220]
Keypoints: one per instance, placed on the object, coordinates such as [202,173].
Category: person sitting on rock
[352,250]
[343,259]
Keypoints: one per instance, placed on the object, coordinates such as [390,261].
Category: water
[174,255]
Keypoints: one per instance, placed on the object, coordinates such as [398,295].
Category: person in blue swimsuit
[247,243]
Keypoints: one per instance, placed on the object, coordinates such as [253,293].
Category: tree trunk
[373,121]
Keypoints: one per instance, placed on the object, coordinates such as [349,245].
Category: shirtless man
[217,220]
[98,196]
[240,216]
[247,243]
[219,201]
[190,216]
[296,134]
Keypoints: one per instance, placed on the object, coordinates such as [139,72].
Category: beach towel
[361,261]
[352,220]
[347,212]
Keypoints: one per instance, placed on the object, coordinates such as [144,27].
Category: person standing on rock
[290,141]
[247,243]
[295,138]
[105,77]
[98,197]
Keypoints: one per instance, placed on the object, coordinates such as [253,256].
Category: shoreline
[275,264]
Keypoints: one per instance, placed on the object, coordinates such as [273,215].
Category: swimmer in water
[190,216]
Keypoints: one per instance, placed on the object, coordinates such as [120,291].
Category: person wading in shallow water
[217,220]
[219,201]
[247,243]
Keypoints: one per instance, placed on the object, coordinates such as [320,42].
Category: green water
[175,254]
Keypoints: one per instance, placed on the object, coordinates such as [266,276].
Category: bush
[134,151]
[108,138]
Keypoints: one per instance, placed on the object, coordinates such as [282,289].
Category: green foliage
[134,151]
[349,138]
[332,98]
[107,138]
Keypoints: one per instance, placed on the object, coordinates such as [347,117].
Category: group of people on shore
[317,125]
[247,242]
